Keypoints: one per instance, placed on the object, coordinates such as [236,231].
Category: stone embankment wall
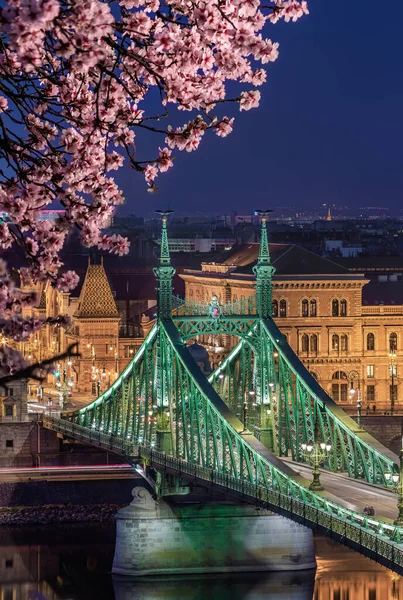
[27,444]
[385,428]
[42,502]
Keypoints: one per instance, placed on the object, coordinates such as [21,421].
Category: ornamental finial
[264,253]
[164,251]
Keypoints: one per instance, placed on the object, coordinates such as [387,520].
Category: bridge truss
[164,412]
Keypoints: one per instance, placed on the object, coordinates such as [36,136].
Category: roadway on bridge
[352,493]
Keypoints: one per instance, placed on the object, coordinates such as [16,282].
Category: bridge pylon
[162,375]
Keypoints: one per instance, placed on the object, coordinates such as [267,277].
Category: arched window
[274,306]
[335,308]
[335,342]
[314,375]
[344,343]
[339,386]
[370,341]
[343,308]
[393,342]
[283,308]
[305,343]
[313,308]
[304,308]
[314,343]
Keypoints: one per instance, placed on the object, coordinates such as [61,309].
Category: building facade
[355,351]
[105,347]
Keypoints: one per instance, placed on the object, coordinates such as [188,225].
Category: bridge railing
[377,537]
[245,306]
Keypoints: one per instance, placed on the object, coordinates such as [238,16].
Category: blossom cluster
[79,79]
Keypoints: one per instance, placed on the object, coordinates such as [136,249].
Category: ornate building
[354,350]
[96,326]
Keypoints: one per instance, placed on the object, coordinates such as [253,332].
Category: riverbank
[68,513]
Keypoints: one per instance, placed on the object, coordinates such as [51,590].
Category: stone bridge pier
[161,538]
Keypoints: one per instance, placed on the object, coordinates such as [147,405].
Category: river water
[74,563]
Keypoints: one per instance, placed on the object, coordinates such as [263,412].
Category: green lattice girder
[206,435]
[299,402]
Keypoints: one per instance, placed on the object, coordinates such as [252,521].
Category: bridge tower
[164,274]
[264,272]
[264,368]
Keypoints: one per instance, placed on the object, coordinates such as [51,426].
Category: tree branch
[30,372]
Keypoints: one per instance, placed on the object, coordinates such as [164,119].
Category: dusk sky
[329,128]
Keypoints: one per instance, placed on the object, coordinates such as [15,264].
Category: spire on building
[329,216]
[96,298]
[164,272]
[264,271]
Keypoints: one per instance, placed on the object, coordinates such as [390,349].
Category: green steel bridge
[163,413]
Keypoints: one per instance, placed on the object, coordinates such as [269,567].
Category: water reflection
[74,563]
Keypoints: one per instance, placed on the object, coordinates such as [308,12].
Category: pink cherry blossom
[79,80]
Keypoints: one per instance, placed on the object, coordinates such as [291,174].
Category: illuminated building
[353,349]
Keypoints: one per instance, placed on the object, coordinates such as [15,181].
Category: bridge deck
[353,494]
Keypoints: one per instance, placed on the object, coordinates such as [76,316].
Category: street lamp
[395,481]
[245,412]
[392,367]
[352,376]
[316,454]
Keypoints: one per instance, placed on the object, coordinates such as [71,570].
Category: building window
[9,563]
[9,443]
[370,371]
[370,393]
[343,308]
[283,308]
[313,308]
[274,306]
[8,410]
[305,343]
[393,342]
[335,342]
[128,351]
[370,341]
[339,386]
[344,343]
[335,308]
[304,308]
[314,343]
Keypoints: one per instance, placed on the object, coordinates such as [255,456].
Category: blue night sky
[329,128]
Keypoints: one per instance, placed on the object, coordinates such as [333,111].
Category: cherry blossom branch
[32,371]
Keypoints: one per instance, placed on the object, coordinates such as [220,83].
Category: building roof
[383,292]
[288,259]
[96,298]
[369,264]
[42,301]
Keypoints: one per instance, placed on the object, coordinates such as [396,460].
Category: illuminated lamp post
[395,481]
[316,454]
[352,377]
[392,368]
[245,412]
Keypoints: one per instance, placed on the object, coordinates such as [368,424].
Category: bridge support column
[265,435]
[157,538]
[164,441]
